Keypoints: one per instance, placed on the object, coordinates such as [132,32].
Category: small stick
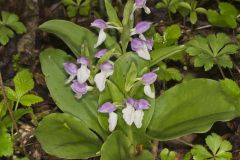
[11,113]
[155,148]
[185,142]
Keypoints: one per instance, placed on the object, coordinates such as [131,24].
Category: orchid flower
[83,72]
[148,79]
[100,53]
[113,117]
[142,47]
[101,78]
[80,88]
[142,4]
[141,27]
[133,113]
[71,69]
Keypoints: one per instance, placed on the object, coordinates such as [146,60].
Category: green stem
[221,71]
[170,16]
[131,140]
[16,105]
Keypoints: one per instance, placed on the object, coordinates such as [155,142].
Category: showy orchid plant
[111,108]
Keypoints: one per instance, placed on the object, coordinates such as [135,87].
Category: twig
[11,113]
[155,148]
[200,28]
[185,142]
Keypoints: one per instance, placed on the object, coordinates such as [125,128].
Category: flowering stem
[131,140]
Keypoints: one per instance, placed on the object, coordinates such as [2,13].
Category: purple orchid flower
[148,79]
[142,4]
[109,108]
[100,53]
[79,89]
[101,78]
[71,69]
[133,112]
[141,27]
[83,72]
[141,47]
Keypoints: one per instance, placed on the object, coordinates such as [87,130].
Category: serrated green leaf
[225,18]
[6,148]
[11,94]
[9,23]
[23,82]
[214,49]
[30,99]
[172,34]
[200,153]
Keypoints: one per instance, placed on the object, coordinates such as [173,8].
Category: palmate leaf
[220,149]
[191,107]
[9,23]
[225,18]
[215,49]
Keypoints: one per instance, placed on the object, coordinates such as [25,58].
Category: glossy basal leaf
[65,136]
[116,147]
[163,53]
[73,35]
[190,107]
[86,108]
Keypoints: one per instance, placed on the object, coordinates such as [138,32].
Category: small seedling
[9,23]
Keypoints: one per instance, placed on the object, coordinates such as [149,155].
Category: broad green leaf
[86,108]
[117,147]
[145,155]
[131,77]
[163,53]
[30,99]
[122,66]
[230,87]
[115,92]
[65,136]
[23,82]
[190,107]
[112,14]
[73,35]
[6,148]
[127,21]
